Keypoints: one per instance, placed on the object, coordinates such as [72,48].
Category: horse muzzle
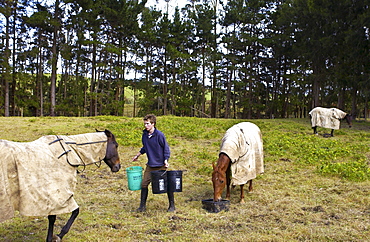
[116,168]
[217,199]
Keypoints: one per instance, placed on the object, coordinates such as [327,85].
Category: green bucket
[134,177]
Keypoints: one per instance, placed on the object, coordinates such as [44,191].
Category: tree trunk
[203,84]
[228,94]
[14,73]
[354,102]
[165,84]
[7,67]
[40,81]
[54,61]
[93,93]
[341,94]
[316,85]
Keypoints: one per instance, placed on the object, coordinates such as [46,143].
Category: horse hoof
[242,201]
[56,238]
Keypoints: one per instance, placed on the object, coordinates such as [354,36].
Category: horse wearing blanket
[328,118]
[240,159]
[38,178]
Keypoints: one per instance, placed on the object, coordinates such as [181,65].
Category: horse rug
[326,117]
[38,178]
[243,144]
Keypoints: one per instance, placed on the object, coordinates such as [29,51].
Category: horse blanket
[38,178]
[242,143]
[326,117]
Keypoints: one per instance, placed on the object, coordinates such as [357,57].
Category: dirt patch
[316,209]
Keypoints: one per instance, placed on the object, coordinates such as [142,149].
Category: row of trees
[234,59]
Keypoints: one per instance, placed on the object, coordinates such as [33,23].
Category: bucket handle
[131,168]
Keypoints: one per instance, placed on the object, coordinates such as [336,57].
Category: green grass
[313,188]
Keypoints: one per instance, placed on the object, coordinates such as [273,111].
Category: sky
[162,5]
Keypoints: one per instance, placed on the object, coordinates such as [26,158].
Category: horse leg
[250,189]
[68,225]
[332,133]
[314,130]
[51,219]
[228,182]
[242,193]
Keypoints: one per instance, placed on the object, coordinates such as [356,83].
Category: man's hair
[151,117]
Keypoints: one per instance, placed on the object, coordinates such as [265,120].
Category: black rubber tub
[215,207]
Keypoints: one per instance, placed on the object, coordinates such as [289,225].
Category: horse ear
[213,165]
[108,133]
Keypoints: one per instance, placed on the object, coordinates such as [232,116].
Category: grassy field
[313,189]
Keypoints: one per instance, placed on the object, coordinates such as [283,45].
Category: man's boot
[171,201]
[143,197]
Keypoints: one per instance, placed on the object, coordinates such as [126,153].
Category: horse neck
[223,162]
[90,147]
[88,137]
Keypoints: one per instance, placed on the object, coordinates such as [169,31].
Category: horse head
[111,156]
[349,119]
[219,182]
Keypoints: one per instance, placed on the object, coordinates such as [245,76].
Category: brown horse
[39,177]
[240,160]
[221,176]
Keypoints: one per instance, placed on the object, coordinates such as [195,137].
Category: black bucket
[174,179]
[159,181]
[215,207]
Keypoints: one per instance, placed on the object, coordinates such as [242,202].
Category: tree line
[230,59]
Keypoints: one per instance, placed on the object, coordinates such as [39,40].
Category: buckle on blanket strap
[64,153]
[241,130]
[97,163]
[52,142]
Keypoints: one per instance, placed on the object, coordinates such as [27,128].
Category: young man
[157,151]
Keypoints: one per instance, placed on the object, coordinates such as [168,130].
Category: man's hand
[135,157]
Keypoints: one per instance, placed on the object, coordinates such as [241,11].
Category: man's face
[148,125]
